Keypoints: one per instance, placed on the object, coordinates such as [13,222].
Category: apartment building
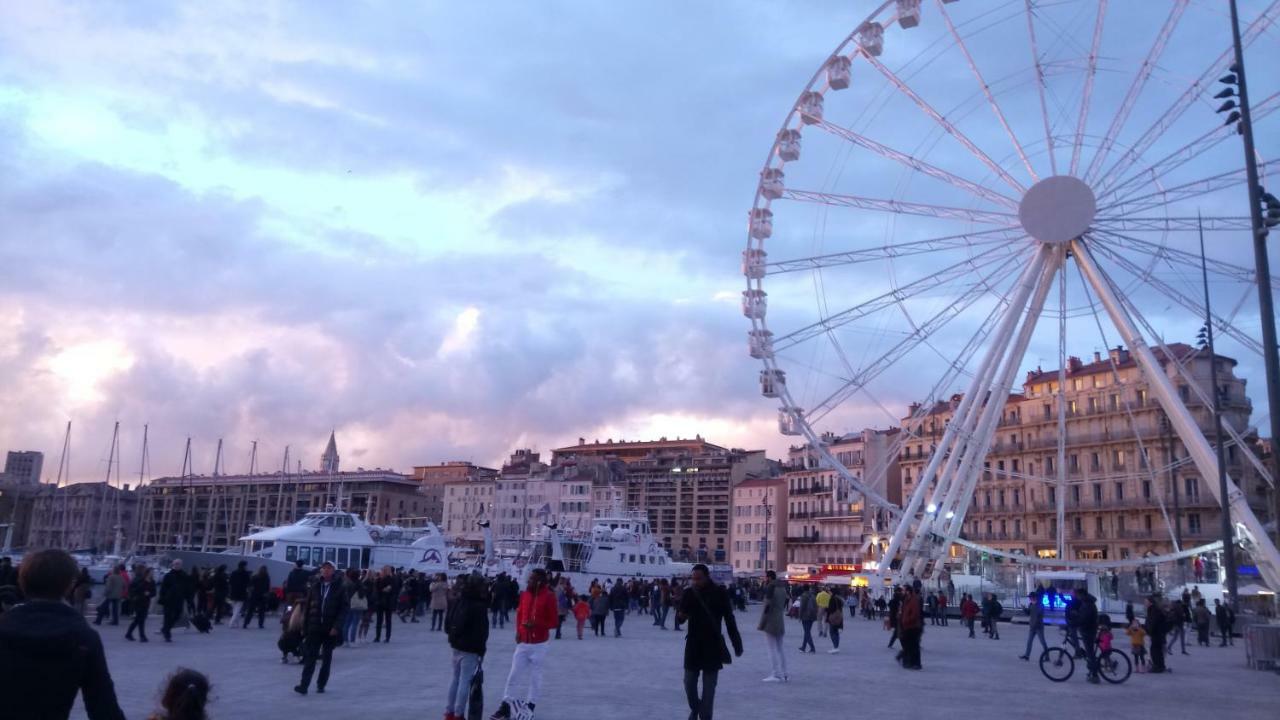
[759,526]
[1129,487]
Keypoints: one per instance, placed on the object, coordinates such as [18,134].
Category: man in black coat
[326,607]
[221,587]
[295,586]
[704,605]
[173,597]
[238,589]
[1088,624]
[48,652]
[1156,626]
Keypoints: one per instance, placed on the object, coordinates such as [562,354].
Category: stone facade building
[1125,469]
[759,524]
[434,477]
[23,467]
[84,517]
[828,523]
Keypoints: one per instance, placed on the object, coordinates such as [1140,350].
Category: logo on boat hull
[431,556]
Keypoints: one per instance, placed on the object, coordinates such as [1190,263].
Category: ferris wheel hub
[1057,209]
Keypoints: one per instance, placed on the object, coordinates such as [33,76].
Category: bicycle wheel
[1057,664]
[1114,666]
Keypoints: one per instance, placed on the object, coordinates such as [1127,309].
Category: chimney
[1073,363]
[1097,356]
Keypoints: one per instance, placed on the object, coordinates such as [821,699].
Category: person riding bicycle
[1087,617]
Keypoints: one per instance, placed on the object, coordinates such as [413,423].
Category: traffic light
[1231,80]
[1270,209]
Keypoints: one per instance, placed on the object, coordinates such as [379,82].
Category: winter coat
[808,608]
[702,644]
[239,585]
[173,588]
[911,616]
[772,617]
[220,584]
[140,593]
[1202,616]
[439,595]
[297,581]
[113,587]
[618,599]
[468,624]
[325,609]
[600,605]
[386,593]
[48,653]
[536,616]
[835,612]
[259,586]
[581,611]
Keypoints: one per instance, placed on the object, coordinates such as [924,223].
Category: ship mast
[143,462]
[188,496]
[106,488]
[64,471]
[216,501]
[284,472]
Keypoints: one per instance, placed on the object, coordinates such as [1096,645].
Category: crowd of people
[46,641]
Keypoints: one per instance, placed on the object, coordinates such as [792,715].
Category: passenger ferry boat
[335,536]
[619,546]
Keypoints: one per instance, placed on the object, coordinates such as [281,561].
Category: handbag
[475,700]
[359,602]
[726,657]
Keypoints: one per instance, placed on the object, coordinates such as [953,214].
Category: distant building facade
[1125,469]
[466,503]
[827,521]
[83,517]
[434,477]
[635,450]
[23,467]
[759,526]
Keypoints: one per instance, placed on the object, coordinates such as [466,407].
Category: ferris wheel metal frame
[1033,228]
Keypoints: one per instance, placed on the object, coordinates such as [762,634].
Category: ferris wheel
[965,191]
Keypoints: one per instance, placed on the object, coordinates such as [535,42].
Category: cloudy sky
[445,230]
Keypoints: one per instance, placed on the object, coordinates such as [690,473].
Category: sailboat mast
[188,496]
[215,503]
[117,543]
[284,472]
[64,471]
[106,488]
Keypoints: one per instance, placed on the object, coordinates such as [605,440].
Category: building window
[1097,492]
[1079,527]
[1146,489]
[1075,494]
[1192,486]
[1193,523]
[1119,491]
[1146,522]
[1097,525]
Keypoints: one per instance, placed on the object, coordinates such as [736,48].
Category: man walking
[238,589]
[968,612]
[326,606]
[1156,626]
[1088,623]
[823,599]
[773,625]
[1035,624]
[704,606]
[173,598]
[808,615]
[48,653]
[618,605]
[1226,617]
[535,617]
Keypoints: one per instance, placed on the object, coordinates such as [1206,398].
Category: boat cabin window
[328,522]
[641,559]
[364,558]
[303,554]
[633,558]
[331,554]
[290,553]
[342,558]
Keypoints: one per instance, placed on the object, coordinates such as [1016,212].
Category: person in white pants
[536,617]
[773,624]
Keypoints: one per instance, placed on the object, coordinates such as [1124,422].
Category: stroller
[290,642]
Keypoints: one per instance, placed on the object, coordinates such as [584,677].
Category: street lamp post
[764,541]
[1262,265]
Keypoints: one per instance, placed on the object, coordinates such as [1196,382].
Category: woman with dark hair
[185,696]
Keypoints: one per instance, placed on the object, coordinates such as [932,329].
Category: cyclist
[1087,617]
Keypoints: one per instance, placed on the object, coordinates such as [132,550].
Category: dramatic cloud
[447,232]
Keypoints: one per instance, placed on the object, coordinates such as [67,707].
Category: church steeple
[329,461]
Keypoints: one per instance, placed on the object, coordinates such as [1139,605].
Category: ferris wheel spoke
[918,336]
[1185,191]
[964,269]
[919,165]
[889,252]
[986,91]
[1171,224]
[944,123]
[1207,141]
[902,207]
[1169,117]
[1189,260]
[1040,86]
[1172,293]
[1136,87]
[1088,87]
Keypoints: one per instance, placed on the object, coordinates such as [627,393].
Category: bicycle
[1058,663]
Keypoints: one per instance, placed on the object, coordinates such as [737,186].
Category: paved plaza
[639,676]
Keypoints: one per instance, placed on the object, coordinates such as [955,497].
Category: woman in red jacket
[536,617]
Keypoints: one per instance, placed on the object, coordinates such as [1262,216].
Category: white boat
[334,536]
[620,546]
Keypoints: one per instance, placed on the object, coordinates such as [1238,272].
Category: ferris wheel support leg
[971,469]
[1202,454]
[952,432]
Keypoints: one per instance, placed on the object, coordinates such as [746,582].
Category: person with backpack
[467,627]
[705,605]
